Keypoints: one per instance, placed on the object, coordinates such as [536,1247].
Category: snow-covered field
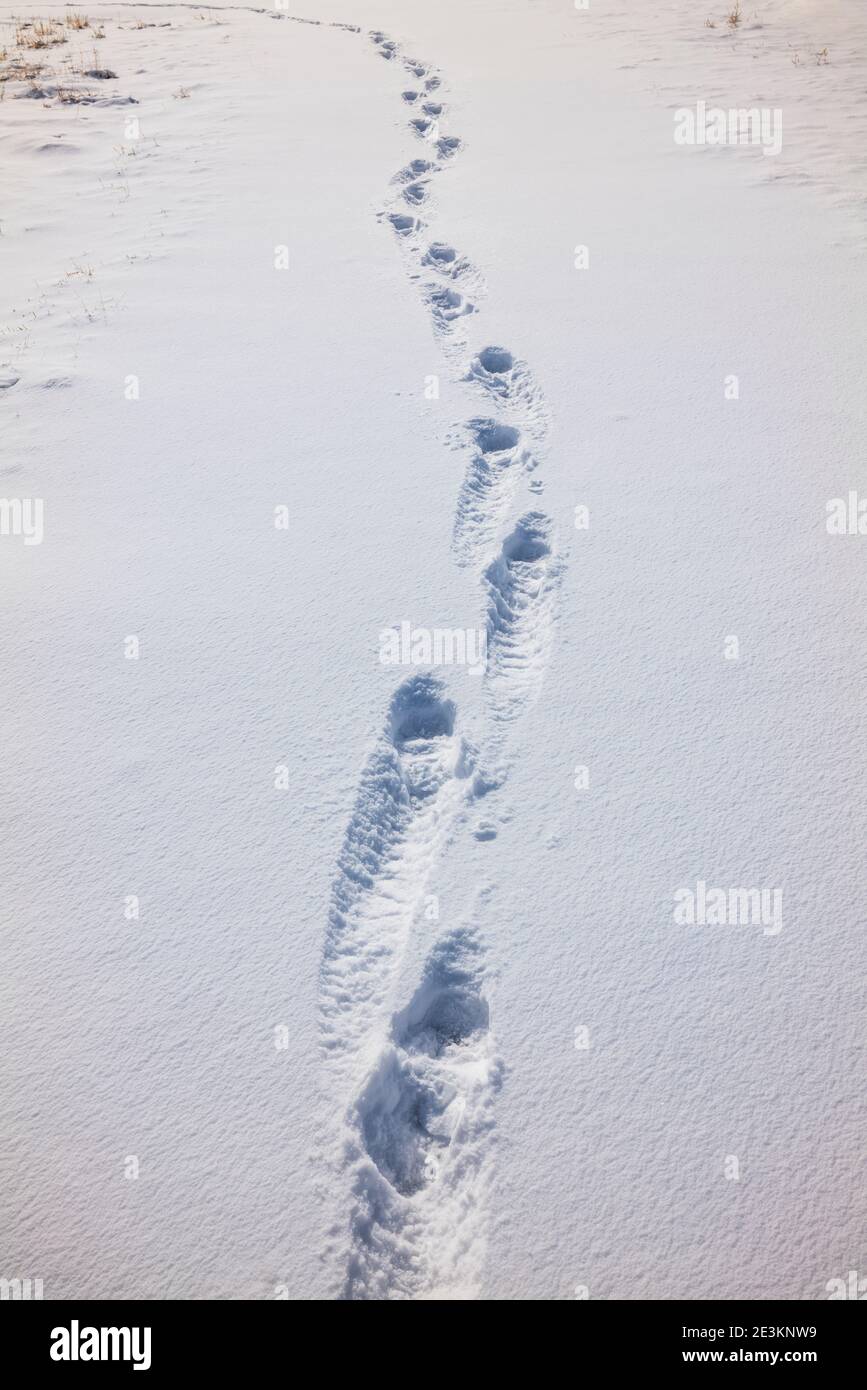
[417,574]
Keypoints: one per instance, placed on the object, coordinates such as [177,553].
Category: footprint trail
[418,1084]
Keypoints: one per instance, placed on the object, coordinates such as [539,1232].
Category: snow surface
[341,1038]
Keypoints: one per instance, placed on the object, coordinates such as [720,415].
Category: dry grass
[83,67]
[74,96]
[733,18]
[19,71]
[40,34]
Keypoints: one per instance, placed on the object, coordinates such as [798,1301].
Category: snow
[404,1011]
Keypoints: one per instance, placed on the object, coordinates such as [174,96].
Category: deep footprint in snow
[415,783]
[497,461]
[511,382]
[402,1124]
[493,366]
[447,306]
[425,1121]
[448,145]
[494,438]
[445,259]
[423,126]
[415,194]
[404,224]
[416,169]
[521,586]
[441,256]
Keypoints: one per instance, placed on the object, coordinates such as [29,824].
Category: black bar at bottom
[221,1338]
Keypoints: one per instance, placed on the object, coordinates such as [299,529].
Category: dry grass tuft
[74,96]
[40,34]
[19,71]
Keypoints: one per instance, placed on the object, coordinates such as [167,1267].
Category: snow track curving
[416,1155]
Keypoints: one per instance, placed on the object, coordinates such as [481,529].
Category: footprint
[521,585]
[442,257]
[414,170]
[414,785]
[497,461]
[447,146]
[432,84]
[447,306]
[417,69]
[493,369]
[432,108]
[403,1121]
[424,1121]
[447,1009]
[494,438]
[410,97]
[403,224]
[422,125]
[416,193]
[511,383]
